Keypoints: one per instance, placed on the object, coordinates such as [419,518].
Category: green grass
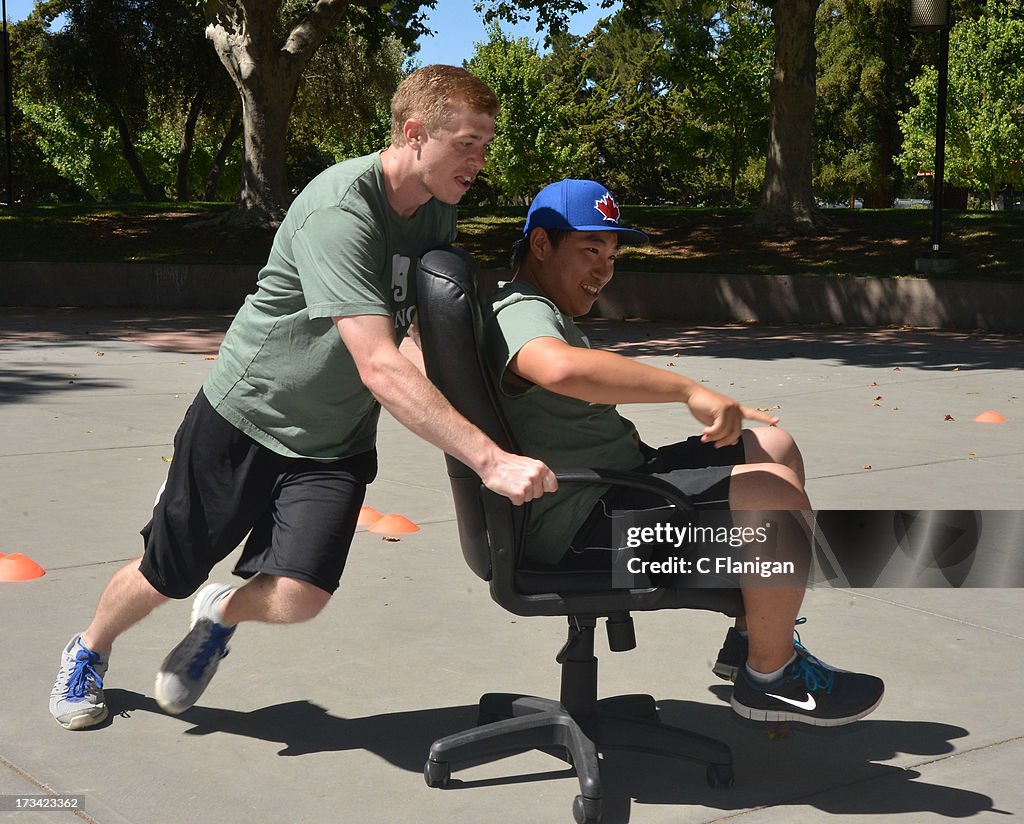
[139,232]
[880,243]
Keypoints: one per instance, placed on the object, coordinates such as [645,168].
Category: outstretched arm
[417,404]
[604,377]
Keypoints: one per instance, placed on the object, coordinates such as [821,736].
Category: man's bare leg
[126,600]
[772,610]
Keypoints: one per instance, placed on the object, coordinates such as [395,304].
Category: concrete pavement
[331,720]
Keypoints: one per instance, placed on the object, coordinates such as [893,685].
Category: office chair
[492,534]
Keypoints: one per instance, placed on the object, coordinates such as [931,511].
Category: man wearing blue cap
[559,394]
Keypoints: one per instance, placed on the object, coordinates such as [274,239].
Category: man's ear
[415,133]
[540,243]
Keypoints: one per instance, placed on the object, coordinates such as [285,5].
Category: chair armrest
[633,480]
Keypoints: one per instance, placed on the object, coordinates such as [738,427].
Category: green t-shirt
[284,376]
[564,432]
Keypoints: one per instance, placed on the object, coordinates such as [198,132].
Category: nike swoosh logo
[807,704]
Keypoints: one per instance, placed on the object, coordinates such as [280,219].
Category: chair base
[511,723]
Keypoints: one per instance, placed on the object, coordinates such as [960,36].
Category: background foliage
[667,102]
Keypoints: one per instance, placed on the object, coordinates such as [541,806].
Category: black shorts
[300,514]
[699,470]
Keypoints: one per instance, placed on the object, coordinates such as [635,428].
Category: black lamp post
[934,15]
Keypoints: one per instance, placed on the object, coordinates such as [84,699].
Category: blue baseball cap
[579,206]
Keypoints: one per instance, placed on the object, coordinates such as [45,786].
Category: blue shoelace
[82,675]
[216,644]
[797,643]
[814,675]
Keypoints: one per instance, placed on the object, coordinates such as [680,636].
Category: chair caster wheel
[437,773]
[586,810]
[720,775]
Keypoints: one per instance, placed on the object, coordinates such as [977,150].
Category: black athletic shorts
[699,470]
[300,514]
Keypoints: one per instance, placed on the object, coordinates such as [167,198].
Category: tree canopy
[716,102]
[985,126]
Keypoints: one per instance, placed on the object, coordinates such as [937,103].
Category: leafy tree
[528,150]
[139,67]
[985,117]
[342,108]
[720,58]
[623,112]
[787,202]
[866,58]
[96,56]
[266,46]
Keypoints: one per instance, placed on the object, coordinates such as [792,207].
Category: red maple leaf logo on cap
[608,208]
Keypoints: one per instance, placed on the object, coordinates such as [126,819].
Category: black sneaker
[808,692]
[735,649]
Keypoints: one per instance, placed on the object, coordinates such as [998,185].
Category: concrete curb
[941,304]
[137,285]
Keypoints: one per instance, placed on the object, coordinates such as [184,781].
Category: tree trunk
[266,108]
[230,136]
[132,157]
[188,136]
[266,74]
[787,200]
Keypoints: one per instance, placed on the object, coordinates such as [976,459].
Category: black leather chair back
[451,337]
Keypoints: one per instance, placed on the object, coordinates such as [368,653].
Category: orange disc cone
[18,567]
[990,417]
[393,524]
[367,516]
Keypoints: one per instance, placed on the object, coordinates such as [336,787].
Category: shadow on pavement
[21,386]
[768,767]
[919,348]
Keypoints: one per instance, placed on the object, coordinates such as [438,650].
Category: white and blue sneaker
[189,667]
[76,700]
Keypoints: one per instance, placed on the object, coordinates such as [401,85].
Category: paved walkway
[331,720]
